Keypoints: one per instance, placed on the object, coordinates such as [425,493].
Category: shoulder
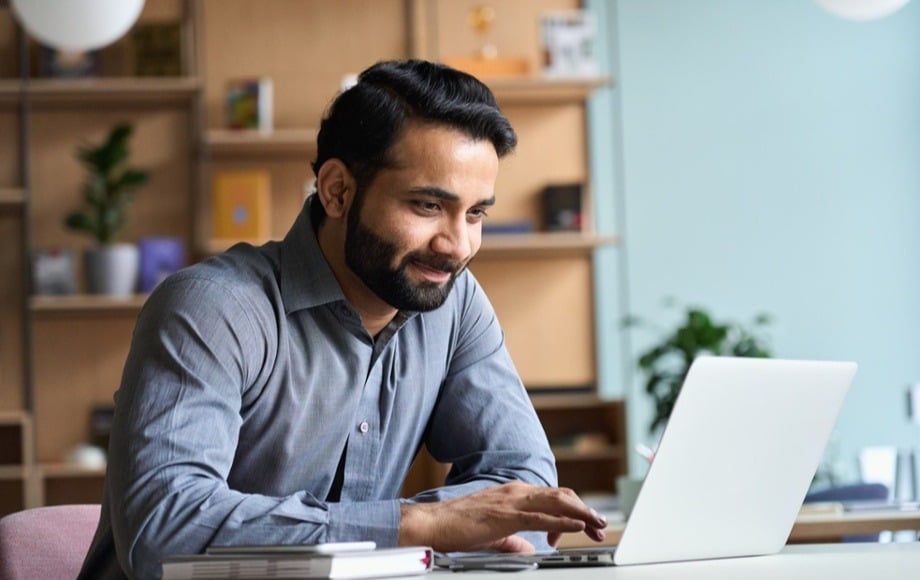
[238,285]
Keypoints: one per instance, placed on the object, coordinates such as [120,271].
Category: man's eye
[478,214]
[427,206]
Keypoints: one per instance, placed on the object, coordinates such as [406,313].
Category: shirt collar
[306,278]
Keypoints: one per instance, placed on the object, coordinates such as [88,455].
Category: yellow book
[241,203]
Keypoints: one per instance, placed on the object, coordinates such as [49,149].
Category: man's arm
[485,426]
[491,519]
[175,434]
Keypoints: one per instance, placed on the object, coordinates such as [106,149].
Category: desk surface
[811,562]
[808,527]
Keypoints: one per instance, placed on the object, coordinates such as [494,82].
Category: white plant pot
[111,269]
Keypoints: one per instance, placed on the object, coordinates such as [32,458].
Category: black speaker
[562,208]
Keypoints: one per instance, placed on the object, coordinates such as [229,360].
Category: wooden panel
[78,363]
[9,49]
[515,31]
[11,329]
[9,148]
[547,313]
[305,46]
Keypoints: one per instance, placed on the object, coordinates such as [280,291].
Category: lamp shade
[862,9]
[77,25]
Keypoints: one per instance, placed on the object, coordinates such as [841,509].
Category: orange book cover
[242,205]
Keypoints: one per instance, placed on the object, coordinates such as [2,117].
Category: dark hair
[364,122]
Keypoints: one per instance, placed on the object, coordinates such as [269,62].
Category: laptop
[733,465]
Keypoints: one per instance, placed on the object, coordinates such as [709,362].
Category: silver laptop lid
[736,459]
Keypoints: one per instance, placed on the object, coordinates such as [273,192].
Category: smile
[432,274]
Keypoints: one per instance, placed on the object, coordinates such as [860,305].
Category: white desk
[806,562]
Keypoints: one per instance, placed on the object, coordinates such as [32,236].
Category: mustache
[436,262]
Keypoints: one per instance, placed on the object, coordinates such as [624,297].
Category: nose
[455,240]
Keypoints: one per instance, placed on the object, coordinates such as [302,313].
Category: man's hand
[488,519]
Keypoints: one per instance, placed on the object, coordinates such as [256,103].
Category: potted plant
[110,268]
[666,363]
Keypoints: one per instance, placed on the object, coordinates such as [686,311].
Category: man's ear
[335,188]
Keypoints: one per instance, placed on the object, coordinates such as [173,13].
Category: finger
[552,538]
[563,502]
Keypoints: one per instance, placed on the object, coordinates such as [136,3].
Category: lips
[438,274]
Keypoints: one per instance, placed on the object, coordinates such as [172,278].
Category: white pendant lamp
[862,9]
[77,25]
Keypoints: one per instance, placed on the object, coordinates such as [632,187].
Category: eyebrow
[445,195]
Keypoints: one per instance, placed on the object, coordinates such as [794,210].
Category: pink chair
[46,542]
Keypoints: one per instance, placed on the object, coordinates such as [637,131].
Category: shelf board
[108,90]
[606,453]
[499,245]
[61,470]
[90,303]
[14,418]
[216,246]
[543,244]
[554,401]
[279,141]
[13,472]
[542,90]
[12,197]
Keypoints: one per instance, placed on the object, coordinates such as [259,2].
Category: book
[249,104]
[160,256]
[241,205]
[568,43]
[156,49]
[299,562]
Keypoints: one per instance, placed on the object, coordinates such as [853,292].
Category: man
[279,394]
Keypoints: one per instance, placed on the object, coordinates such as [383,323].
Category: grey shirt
[256,409]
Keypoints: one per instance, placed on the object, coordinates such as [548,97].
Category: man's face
[414,229]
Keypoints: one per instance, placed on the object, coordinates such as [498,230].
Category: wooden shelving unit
[179,136]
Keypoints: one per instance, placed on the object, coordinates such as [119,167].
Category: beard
[371,257]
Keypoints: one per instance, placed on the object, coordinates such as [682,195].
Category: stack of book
[334,561]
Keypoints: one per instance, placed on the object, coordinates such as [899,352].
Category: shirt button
[363,427]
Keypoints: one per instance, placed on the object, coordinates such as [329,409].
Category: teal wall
[765,156]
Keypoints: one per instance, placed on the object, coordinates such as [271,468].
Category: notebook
[732,468]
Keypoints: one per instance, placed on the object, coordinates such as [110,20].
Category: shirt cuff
[377,521]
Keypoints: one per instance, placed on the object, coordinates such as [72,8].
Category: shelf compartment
[62,483]
[107,90]
[253,141]
[543,90]
[89,303]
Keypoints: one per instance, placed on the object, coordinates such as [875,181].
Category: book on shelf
[156,49]
[249,104]
[299,562]
[241,205]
